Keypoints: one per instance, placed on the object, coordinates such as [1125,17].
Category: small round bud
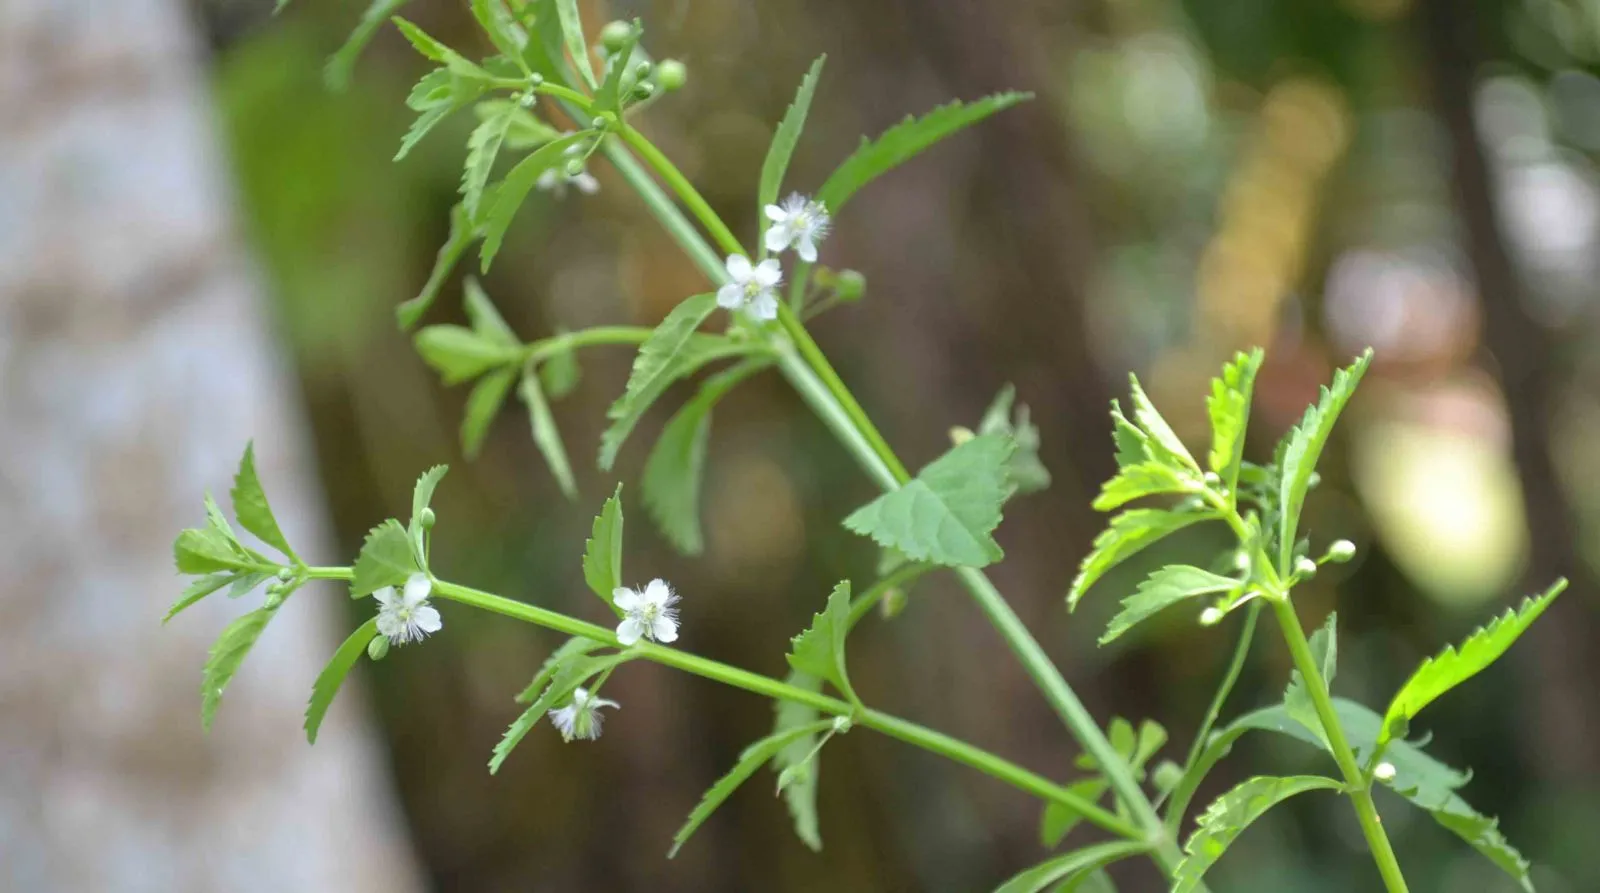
[849,285]
[644,90]
[1305,567]
[1316,478]
[285,574]
[842,724]
[642,70]
[1384,771]
[615,35]
[599,123]
[527,100]
[275,587]
[1241,560]
[1167,775]
[1211,479]
[894,601]
[671,74]
[428,519]
[960,435]
[1341,551]
[1211,616]
[536,79]
[378,648]
[574,167]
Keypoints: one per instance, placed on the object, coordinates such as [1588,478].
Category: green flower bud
[671,74]
[615,35]
[536,79]
[574,167]
[1341,551]
[894,601]
[642,70]
[285,574]
[527,100]
[598,123]
[427,518]
[1211,616]
[842,724]
[1166,776]
[960,435]
[644,90]
[849,285]
[1305,567]
[378,648]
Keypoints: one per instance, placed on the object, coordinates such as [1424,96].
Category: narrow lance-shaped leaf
[1068,866]
[1145,479]
[251,507]
[1161,590]
[1231,814]
[497,214]
[483,146]
[800,794]
[946,514]
[572,34]
[386,559]
[438,52]
[657,365]
[461,234]
[571,674]
[546,436]
[1303,447]
[226,655]
[483,404]
[602,552]
[198,590]
[1166,446]
[459,354]
[754,757]
[570,650]
[1298,699]
[422,493]
[503,31]
[819,651]
[332,676]
[1229,408]
[485,319]
[785,138]
[336,74]
[1129,534]
[207,550]
[1483,834]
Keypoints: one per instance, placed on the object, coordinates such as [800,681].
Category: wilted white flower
[554,180]
[799,221]
[407,616]
[581,717]
[647,615]
[752,286]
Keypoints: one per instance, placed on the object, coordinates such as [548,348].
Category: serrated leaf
[754,757]
[526,131]
[608,98]
[1303,447]
[207,550]
[386,559]
[1027,472]
[1161,590]
[819,651]
[502,29]
[1453,666]
[602,552]
[450,252]
[1229,409]
[483,404]
[572,35]
[438,52]
[1164,443]
[217,521]
[800,794]
[946,514]
[784,139]
[460,92]
[1063,867]
[1129,534]
[198,590]
[1483,834]
[332,676]
[1145,479]
[227,653]
[422,493]
[251,507]
[459,354]
[1133,445]
[904,141]
[336,73]
[1297,700]
[546,436]
[572,673]
[1234,811]
[661,361]
[244,583]
[514,189]
[483,146]
[570,650]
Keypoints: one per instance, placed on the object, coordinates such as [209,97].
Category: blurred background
[200,244]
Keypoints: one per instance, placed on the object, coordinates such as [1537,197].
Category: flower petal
[426,618]
[665,629]
[629,632]
[778,236]
[385,596]
[417,588]
[658,592]
[738,267]
[730,296]
[586,183]
[764,306]
[794,203]
[769,272]
[807,249]
[625,598]
[776,214]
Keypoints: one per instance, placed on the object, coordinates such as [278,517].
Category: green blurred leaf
[1066,866]
[663,358]
[514,189]
[460,354]
[485,320]
[572,34]
[546,436]
[784,140]
[1058,819]
[947,513]
[609,97]
[559,373]
[461,235]
[483,404]
[251,507]
[1225,819]
[438,52]
[226,655]
[1026,471]
[336,74]
[754,757]
[602,552]
[483,146]
[1229,408]
[503,31]
[1297,700]
[386,559]
[332,676]
[1303,447]
[207,550]
[1163,443]
[1161,590]
[1129,534]
[819,651]
[571,649]
[198,590]
[800,794]
[1483,834]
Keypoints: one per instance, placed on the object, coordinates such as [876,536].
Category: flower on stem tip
[581,717]
[752,286]
[646,615]
[798,221]
[407,616]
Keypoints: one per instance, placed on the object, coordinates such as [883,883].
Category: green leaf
[1229,408]
[226,655]
[461,234]
[1453,666]
[332,676]
[336,74]
[487,321]
[198,590]
[819,651]
[546,436]
[572,673]
[1063,867]
[570,650]
[1133,445]
[947,513]
[1129,534]
[461,354]
[602,552]
[483,404]
[1163,442]
[572,34]
[244,583]
[1231,814]
[1297,700]
[386,559]
[526,131]
[609,97]
[800,794]
[251,507]
[483,146]
[422,493]
[1483,834]
[661,361]
[1303,447]
[438,52]
[1059,819]
[676,466]
[754,757]
[904,141]
[514,189]
[1027,472]
[502,29]
[1145,479]
[207,550]
[1161,590]
[559,373]
[785,138]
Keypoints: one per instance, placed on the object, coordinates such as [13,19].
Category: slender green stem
[866,601]
[666,211]
[1357,784]
[685,190]
[555,344]
[1235,666]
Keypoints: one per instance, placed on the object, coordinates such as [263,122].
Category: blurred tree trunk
[134,365]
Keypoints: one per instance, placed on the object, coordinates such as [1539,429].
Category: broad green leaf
[559,373]
[251,507]
[332,676]
[1303,447]
[676,466]
[1234,811]
[460,354]
[754,757]
[513,191]
[819,651]
[546,436]
[386,559]
[1297,700]
[1145,479]
[483,404]
[659,363]
[1161,590]
[422,493]
[904,141]
[602,552]
[483,146]
[1453,666]
[1164,443]
[450,252]
[336,74]
[609,97]
[198,590]
[572,34]
[800,794]
[503,31]
[207,550]
[1078,862]
[570,650]
[1129,534]
[1027,472]
[1229,408]
[226,655]
[784,140]
[946,514]
[572,673]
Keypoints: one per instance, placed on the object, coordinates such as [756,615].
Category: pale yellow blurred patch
[755,531]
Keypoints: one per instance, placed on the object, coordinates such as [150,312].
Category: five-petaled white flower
[646,615]
[581,717]
[407,616]
[798,221]
[752,286]
[554,180]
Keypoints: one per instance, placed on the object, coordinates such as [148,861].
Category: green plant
[942,518]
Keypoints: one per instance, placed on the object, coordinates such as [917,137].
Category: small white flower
[646,615]
[798,221]
[1384,771]
[407,617]
[555,180]
[581,717]
[752,286]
